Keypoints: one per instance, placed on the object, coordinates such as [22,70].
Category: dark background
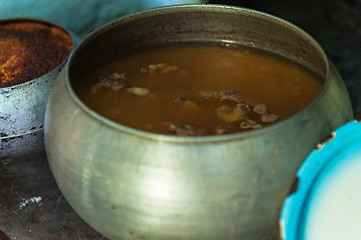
[336,26]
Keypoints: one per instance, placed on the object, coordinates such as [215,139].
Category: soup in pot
[197,89]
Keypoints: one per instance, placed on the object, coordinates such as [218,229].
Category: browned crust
[29,50]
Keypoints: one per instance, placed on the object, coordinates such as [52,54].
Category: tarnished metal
[130,184]
[22,111]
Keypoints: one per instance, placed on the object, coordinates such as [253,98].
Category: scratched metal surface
[33,208]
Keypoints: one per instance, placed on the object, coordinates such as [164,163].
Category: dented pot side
[129,184]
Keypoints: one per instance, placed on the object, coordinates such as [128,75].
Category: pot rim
[205,8]
[73,37]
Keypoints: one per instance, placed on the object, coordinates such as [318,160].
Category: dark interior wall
[335,24]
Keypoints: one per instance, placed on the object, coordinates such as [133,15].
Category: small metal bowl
[22,110]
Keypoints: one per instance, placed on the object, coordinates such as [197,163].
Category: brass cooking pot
[130,184]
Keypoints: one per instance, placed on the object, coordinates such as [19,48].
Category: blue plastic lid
[327,203]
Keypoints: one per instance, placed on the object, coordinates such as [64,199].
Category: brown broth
[185,90]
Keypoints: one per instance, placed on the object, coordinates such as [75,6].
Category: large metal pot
[22,111]
[130,184]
